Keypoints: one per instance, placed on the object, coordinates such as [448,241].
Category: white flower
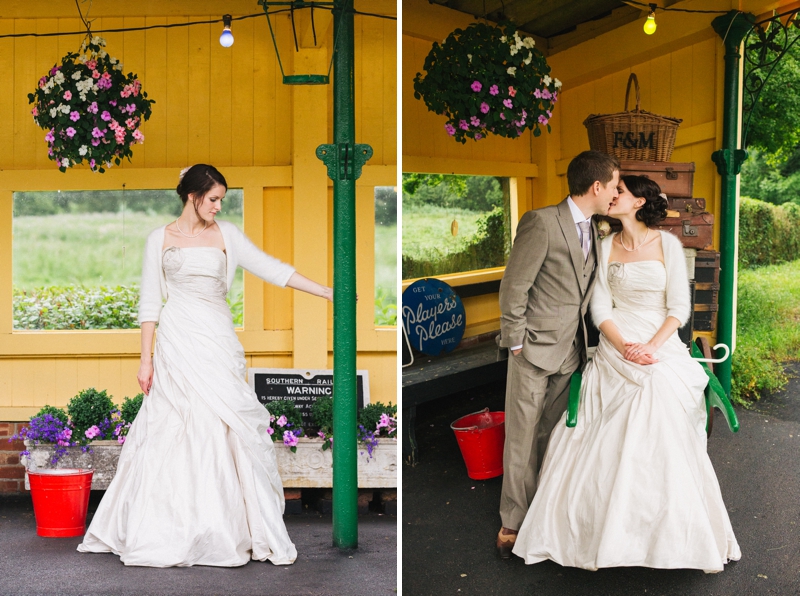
[53,112]
[503,39]
[546,80]
[513,50]
[65,163]
[83,150]
[118,66]
[102,53]
[113,60]
[83,96]
[558,84]
[98,41]
[64,108]
[76,75]
[512,70]
[59,77]
[469,57]
[529,42]
[83,57]
[529,58]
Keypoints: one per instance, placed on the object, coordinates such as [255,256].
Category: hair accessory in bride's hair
[184,170]
[663,196]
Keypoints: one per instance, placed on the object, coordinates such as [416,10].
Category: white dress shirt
[578,217]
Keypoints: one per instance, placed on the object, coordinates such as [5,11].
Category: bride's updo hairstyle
[655,203]
[197,181]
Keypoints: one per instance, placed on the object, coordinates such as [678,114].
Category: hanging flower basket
[91,111]
[488,79]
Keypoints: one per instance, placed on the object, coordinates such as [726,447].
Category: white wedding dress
[197,482]
[632,484]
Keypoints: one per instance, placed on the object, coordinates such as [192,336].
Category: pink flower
[121,439]
[475,121]
[71,132]
[463,125]
[130,108]
[282,421]
[42,82]
[546,94]
[131,123]
[75,116]
[549,114]
[507,103]
[478,136]
[494,90]
[289,438]
[95,142]
[113,102]
[95,74]
[542,119]
[485,107]
[35,111]
[68,95]
[105,115]
[138,135]
[537,93]
[451,130]
[91,64]
[321,434]
[92,163]
[54,70]
[270,430]
[511,91]
[92,107]
[476,86]
[49,136]
[92,432]
[97,133]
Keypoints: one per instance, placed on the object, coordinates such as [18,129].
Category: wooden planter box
[310,467]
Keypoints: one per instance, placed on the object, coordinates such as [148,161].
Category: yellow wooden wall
[680,72]
[227,107]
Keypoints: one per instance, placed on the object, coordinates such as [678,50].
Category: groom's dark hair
[587,168]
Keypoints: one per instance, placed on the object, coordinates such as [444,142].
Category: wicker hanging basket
[635,135]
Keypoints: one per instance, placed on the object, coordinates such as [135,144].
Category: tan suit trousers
[535,402]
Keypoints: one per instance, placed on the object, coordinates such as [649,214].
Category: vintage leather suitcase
[686,205]
[676,179]
[706,267]
[694,230]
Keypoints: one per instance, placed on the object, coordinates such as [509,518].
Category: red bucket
[60,501]
[481,436]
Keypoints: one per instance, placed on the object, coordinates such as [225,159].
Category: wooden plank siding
[227,107]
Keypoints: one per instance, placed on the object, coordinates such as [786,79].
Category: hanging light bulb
[650,23]
[226,39]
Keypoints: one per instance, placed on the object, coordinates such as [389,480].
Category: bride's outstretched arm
[302,283]
[145,374]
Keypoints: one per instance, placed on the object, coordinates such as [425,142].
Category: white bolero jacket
[239,251]
[678,299]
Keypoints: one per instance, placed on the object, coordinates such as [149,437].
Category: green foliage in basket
[488,79]
[91,410]
[130,407]
[57,413]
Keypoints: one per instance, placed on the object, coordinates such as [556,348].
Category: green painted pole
[344,159]
[732,27]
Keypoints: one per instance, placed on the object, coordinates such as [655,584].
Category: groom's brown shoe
[505,542]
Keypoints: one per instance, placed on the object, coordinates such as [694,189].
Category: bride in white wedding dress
[197,481]
[632,484]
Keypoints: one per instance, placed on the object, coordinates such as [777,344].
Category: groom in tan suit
[543,300]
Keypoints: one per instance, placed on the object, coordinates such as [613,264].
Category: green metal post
[344,160]
[732,27]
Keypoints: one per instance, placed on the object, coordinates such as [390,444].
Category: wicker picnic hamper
[635,135]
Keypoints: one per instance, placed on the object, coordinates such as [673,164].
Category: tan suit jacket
[546,287]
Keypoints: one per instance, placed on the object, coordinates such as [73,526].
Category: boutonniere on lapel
[603,229]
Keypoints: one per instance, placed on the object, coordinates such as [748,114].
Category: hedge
[768,234]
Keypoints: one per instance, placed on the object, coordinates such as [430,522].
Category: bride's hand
[640,353]
[145,376]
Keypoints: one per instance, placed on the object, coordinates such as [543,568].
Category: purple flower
[537,93]
[97,133]
[92,432]
[542,119]
[49,136]
[502,116]
[508,103]
[130,108]
[281,421]
[451,130]
[270,430]
[475,121]
[546,94]
[485,107]
[75,116]
[113,102]
[289,438]
[71,132]
[106,115]
[494,90]
[476,86]
[463,125]
[478,136]
[95,142]
[92,107]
